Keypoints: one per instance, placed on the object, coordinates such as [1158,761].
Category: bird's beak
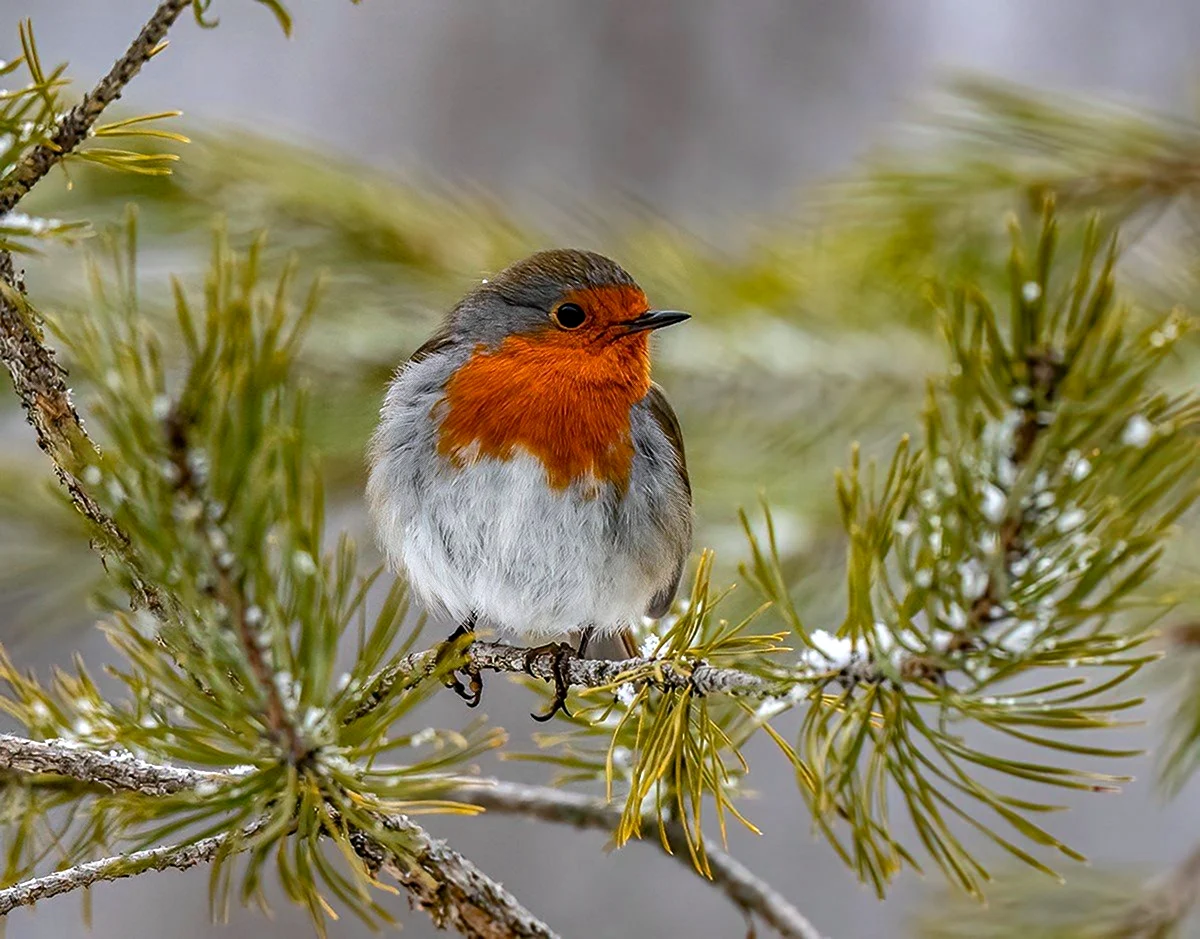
[655,319]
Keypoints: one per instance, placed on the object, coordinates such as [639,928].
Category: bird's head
[573,300]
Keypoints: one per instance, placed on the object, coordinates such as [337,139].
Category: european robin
[526,473]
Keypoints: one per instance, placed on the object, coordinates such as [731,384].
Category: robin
[526,473]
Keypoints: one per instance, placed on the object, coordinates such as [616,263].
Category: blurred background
[739,157]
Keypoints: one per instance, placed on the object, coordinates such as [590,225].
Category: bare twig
[178,856]
[75,125]
[748,892]
[439,880]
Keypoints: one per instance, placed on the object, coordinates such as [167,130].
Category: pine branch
[749,893]
[116,770]
[75,125]
[579,672]
[467,886]
[439,880]
[40,384]
[176,856]
[38,379]
[451,888]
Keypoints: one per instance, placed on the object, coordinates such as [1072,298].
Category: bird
[526,473]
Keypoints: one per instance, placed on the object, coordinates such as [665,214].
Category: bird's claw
[475,678]
[561,654]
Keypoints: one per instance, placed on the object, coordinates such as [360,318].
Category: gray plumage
[491,537]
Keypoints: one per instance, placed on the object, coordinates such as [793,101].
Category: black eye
[569,315]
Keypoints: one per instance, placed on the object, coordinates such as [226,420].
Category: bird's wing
[664,415]
[435,343]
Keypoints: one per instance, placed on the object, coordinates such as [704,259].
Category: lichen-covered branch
[117,770]
[38,379]
[439,880]
[748,892]
[75,125]
[580,673]
[451,889]
[177,857]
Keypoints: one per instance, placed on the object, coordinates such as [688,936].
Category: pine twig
[115,770]
[749,893]
[438,879]
[37,377]
[579,672]
[76,124]
[458,893]
[176,856]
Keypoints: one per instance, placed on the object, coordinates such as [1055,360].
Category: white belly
[493,538]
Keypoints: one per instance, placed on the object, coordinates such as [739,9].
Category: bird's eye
[569,315]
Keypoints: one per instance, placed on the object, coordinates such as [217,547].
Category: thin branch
[40,384]
[748,892]
[450,888]
[579,673]
[38,379]
[76,124]
[177,856]
[229,588]
[115,769]
[438,880]
[467,886]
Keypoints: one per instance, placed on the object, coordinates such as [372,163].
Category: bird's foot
[474,677]
[562,653]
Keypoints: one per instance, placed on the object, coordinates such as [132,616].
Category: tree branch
[38,379]
[177,856]
[450,888]
[75,126]
[748,892]
[457,893]
[438,879]
[579,673]
[117,770]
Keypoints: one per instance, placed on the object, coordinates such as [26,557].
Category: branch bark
[448,886]
[178,857]
[74,127]
[440,881]
[579,672]
[749,893]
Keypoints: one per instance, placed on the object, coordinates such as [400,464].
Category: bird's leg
[562,653]
[470,669]
[585,637]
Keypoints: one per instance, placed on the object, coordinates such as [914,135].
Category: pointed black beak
[655,319]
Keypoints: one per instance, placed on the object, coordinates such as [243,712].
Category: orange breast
[565,402]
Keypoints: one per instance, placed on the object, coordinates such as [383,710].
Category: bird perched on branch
[526,473]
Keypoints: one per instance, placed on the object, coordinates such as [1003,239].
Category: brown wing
[664,415]
[434,343]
